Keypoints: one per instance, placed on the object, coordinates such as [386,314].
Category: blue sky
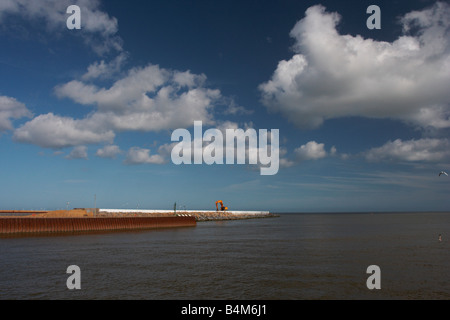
[363,115]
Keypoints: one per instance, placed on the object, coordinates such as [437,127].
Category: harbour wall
[17,225]
[199,215]
[237,213]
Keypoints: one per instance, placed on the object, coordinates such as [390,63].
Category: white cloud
[110,151]
[98,29]
[222,126]
[52,131]
[285,162]
[142,156]
[146,99]
[333,151]
[333,75]
[427,150]
[10,108]
[235,109]
[105,70]
[79,152]
[188,79]
[311,151]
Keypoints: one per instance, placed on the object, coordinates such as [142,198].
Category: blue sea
[295,256]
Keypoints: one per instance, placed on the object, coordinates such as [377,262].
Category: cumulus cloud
[284,161]
[138,155]
[426,150]
[146,99]
[333,75]
[79,152]
[98,29]
[56,132]
[105,70]
[10,108]
[110,151]
[313,151]
[235,109]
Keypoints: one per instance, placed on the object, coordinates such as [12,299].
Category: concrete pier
[199,215]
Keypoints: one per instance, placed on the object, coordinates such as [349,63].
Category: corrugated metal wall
[63,225]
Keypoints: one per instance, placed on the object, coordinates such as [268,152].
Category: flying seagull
[443,172]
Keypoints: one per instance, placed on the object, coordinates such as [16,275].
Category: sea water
[295,256]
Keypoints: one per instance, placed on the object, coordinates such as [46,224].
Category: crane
[222,207]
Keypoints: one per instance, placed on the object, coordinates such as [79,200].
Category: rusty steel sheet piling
[25,225]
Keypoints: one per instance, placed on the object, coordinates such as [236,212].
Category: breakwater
[88,219]
[25,225]
[199,215]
